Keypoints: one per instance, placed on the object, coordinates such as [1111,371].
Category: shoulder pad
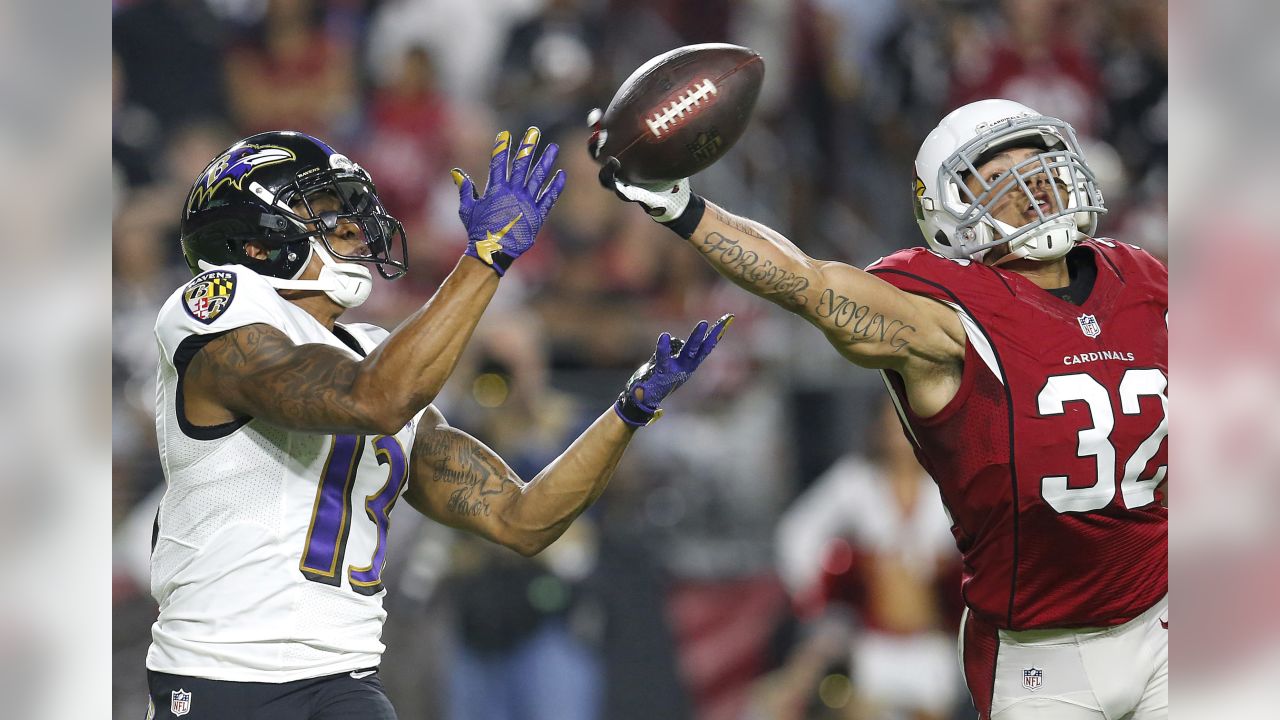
[1128,254]
[1134,264]
[925,272]
[216,301]
[918,258]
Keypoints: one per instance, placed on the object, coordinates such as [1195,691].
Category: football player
[287,438]
[1028,361]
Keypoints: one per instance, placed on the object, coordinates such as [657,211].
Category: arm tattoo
[738,223]
[764,278]
[265,374]
[746,268]
[770,281]
[861,321]
[462,468]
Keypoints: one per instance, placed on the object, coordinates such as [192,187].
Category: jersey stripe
[981,343]
[897,405]
[1008,401]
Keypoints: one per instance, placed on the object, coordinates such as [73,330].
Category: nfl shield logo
[1032,678]
[1089,324]
[180,702]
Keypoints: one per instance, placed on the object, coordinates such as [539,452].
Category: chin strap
[347,284]
[1057,238]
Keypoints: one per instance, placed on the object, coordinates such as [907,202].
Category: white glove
[664,203]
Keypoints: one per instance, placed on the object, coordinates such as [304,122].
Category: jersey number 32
[1095,440]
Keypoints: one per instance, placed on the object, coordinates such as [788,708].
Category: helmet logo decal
[918,189]
[209,295]
[232,168]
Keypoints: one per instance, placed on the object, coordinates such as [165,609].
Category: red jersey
[1049,455]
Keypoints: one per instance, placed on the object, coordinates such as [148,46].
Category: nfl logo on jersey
[1089,324]
[1032,678]
[180,702]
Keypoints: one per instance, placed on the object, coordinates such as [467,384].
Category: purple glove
[503,223]
[672,364]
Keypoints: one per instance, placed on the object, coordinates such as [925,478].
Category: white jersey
[270,543]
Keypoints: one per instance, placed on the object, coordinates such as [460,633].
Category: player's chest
[342,490]
[1044,337]
[350,464]
[1089,394]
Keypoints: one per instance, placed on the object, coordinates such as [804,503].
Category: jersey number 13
[324,555]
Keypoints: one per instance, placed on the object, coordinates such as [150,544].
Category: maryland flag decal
[209,295]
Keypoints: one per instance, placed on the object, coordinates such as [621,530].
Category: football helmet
[261,188]
[958,223]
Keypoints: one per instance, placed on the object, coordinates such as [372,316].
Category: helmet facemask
[262,191]
[291,238]
[1074,198]
[358,204]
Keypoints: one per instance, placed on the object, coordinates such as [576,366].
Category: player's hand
[664,202]
[671,365]
[502,223]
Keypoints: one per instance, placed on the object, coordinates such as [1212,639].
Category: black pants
[345,696]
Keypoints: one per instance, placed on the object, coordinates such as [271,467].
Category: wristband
[500,260]
[689,219]
[631,412]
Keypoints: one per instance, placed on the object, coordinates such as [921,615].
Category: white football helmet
[959,224]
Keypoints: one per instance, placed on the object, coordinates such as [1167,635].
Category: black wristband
[630,412]
[689,219]
[503,261]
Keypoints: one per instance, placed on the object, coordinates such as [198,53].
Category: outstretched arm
[258,371]
[869,321]
[457,480]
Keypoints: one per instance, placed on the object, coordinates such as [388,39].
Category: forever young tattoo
[766,278]
[861,321]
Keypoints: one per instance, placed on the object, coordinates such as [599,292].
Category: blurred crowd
[690,590]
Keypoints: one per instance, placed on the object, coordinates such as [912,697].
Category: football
[680,112]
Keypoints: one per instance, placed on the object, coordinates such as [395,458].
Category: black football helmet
[249,191]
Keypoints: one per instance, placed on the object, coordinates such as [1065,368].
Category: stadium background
[665,600]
